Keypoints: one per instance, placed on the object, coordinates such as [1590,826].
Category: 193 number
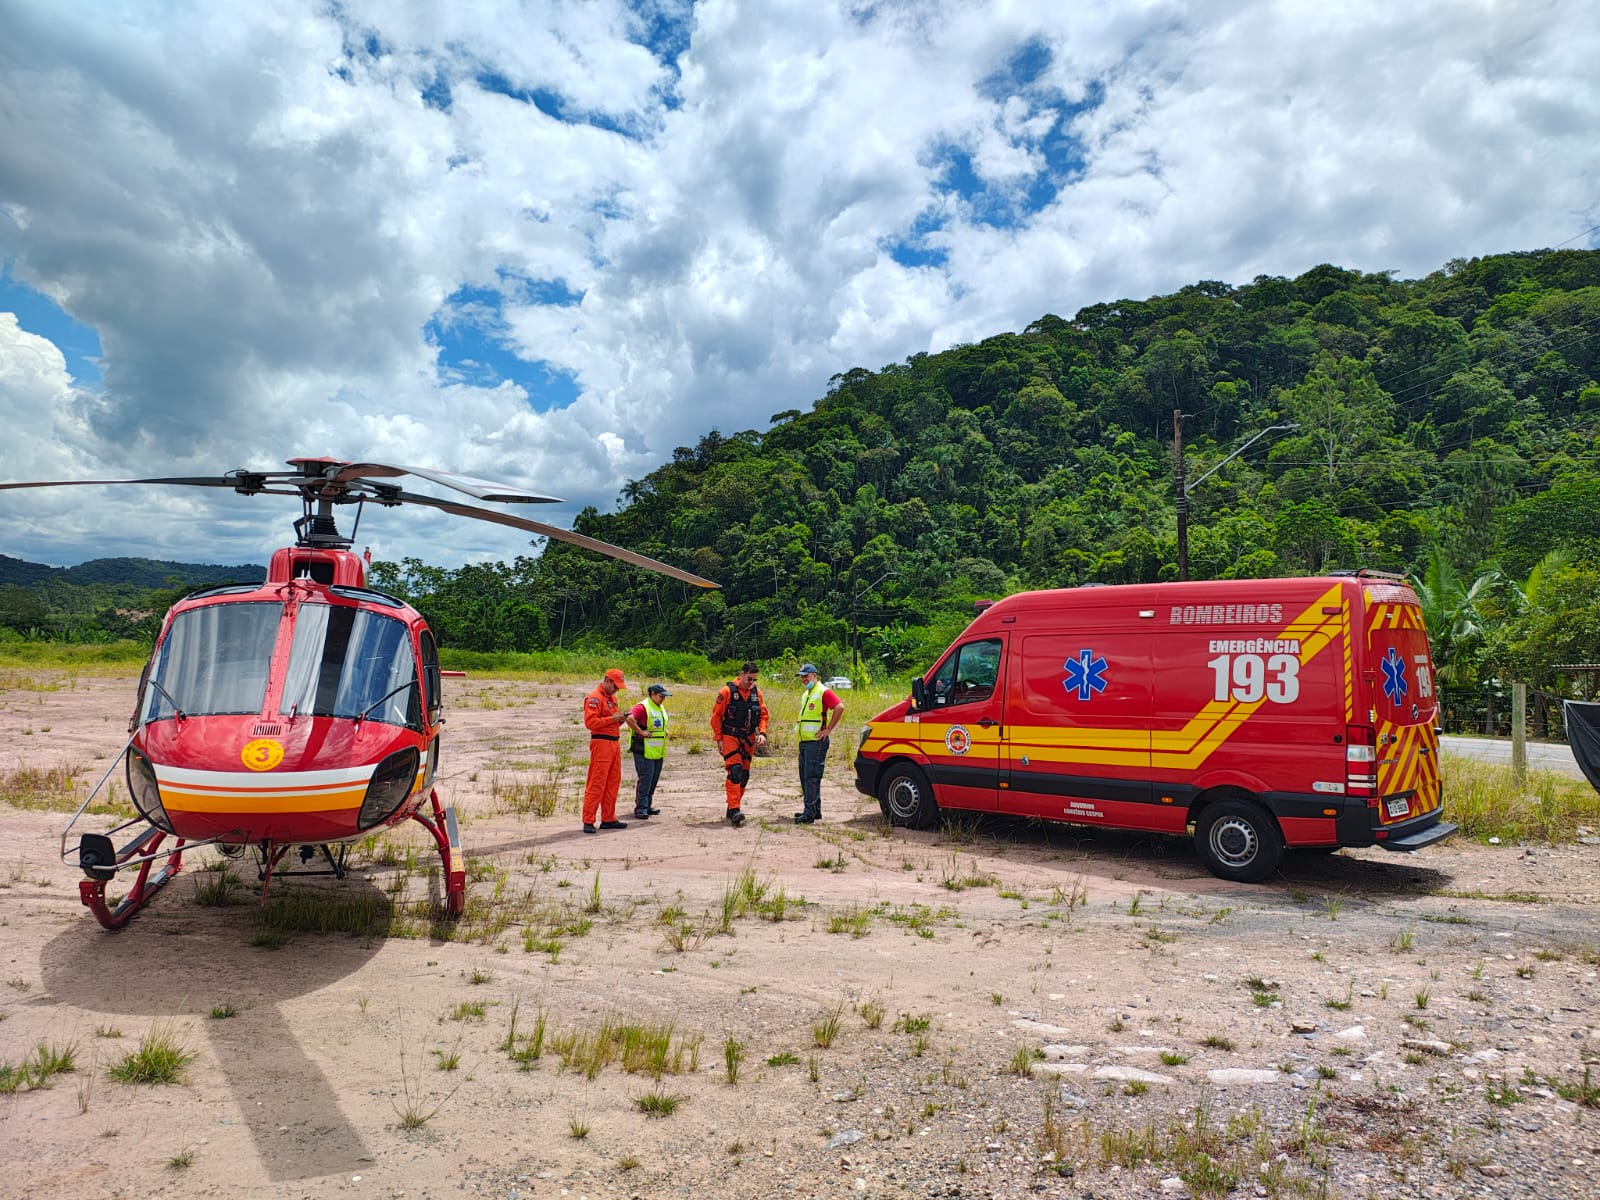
[1247,678]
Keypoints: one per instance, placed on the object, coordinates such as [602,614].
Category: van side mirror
[919,694]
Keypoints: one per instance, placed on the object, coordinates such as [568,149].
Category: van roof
[1289,590]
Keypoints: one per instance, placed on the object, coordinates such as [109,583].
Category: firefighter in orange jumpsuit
[739,725]
[604,717]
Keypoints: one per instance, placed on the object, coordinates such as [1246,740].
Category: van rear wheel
[907,799]
[1237,840]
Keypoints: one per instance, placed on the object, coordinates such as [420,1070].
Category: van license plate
[1397,806]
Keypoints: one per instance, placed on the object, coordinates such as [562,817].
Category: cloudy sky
[549,242]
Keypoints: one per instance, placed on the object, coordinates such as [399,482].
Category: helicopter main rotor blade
[560,535]
[218,481]
[471,485]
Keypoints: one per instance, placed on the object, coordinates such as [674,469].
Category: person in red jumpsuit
[739,725]
[604,718]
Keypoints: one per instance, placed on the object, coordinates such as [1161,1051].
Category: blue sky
[549,243]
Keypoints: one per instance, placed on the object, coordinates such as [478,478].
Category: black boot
[735,817]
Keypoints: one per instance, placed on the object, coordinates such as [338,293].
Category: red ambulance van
[1263,714]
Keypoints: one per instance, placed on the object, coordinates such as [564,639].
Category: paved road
[1542,756]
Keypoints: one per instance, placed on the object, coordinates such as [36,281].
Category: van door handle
[987,722]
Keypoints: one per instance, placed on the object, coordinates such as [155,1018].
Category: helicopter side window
[347,662]
[214,660]
[430,677]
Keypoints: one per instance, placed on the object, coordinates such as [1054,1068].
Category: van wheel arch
[906,797]
[1235,836]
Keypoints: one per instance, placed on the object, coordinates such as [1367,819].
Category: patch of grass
[469,1010]
[658,1103]
[855,920]
[159,1058]
[217,886]
[872,1012]
[1584,1092]
[1215,1041]
[1174,1058]
[221,1012]
[47,789]
[784,1058]
[954,878]
[826,1031]
[182,1159]
[578,1126]
[1344,1004]
[416,1111]
[35,1072]
[1486,801]
[1401,941]
[732,1058]
[1022,1060]
[913,1024]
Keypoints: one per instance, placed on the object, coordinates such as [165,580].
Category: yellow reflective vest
[810,722]
[655,730]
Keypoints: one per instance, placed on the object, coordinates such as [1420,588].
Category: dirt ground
[1019,1009]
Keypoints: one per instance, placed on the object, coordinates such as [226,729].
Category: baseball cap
[808,669]
[658,689]
[616,677]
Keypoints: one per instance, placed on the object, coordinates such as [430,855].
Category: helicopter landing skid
[94,853]
[448,838]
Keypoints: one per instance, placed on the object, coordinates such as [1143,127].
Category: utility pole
[1183,499]
[1183,489]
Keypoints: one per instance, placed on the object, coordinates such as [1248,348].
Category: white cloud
[259,214]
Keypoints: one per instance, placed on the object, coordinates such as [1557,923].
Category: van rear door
[1399,677]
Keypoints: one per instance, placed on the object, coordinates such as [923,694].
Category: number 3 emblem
[262,754]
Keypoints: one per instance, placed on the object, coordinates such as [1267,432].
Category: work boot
[654,811]
[613,824]
[642,814]
[587,828]
[735,817]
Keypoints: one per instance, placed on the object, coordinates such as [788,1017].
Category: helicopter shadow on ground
[282,1095]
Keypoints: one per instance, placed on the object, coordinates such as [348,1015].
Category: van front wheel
[1237,840]
[906,798]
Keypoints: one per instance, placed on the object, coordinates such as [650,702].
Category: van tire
[1237,840]
[906,798]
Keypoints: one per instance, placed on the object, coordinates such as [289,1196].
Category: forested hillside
[101,599]
[1448,427]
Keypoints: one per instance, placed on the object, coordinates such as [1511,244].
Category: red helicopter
[304,711]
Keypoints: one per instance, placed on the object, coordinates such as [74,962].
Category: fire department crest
[958,740]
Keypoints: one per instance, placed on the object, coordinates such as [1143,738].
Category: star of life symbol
[1394,676]
[1086,674]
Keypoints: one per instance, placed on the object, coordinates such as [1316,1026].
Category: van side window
[967,676]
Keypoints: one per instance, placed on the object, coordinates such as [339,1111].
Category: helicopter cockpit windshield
[349,662]
[214,660]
